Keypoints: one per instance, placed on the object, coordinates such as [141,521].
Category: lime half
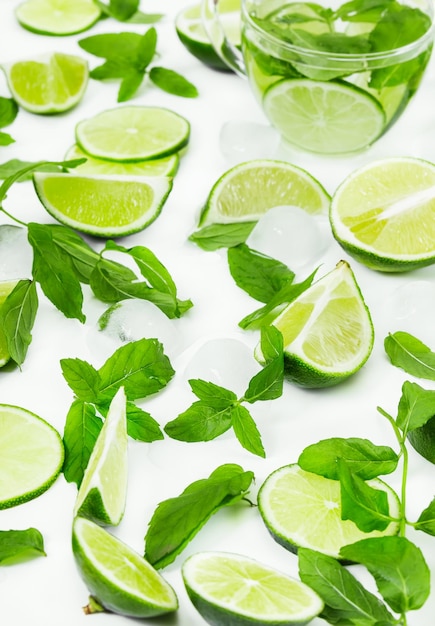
[52,83]
[324,117]
[121,580]
[103,206]
[302,509]
[229,589]
[133,133]
[31,455]
[57,17]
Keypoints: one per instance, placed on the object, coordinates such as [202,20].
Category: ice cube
[409,308]
[244,141]
[16,253]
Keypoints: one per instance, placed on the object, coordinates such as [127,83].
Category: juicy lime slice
[121,580]
[327,331]
[102,492]
[229,589]
[133,133]
[52,83]
[382,214]
[191,32]
[166,166]
[57,17]
[104,206]
[6,286]
[302,509]
[31,455]
[248,190]
[324,117]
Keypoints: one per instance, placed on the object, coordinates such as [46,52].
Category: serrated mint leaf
[17,316]
[410,354]
[416,407]
[172,82]
[141,426]
[82,428]
[200,422]
[215,395]
[267,384]
[246,431]
[82,378]
[426,521]
[19,545]
[216,236]
[177,520]
[83,257]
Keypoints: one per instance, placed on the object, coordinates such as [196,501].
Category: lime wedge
[229,589]
[327,331]
[57,17]
[133,133]
[324,117]
[382,214]
[102,492]
[248,190]
[302,509]
[103,206]
[31,455]
[166,166]
[121,580]
[6,286]
[52,83]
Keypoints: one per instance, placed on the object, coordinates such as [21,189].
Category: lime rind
[45,17]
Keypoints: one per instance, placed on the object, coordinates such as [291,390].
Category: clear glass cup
[332,77]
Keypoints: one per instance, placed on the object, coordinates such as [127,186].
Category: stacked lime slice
[57,17]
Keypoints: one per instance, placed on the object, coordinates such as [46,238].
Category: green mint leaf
[141,426]
[172,82]
[130,83]
[398,567]
[215,395]
[18,545]
[426,521]
[246,431]
[14,166]
[17,316]
[200,422]
[362,10]
[82,428]
[120,10]
[217,236]
[416,407]
[332,42]
[82,256]
[366,506]
[82,378]
[144,18]
[54,271]
[8,111]
[177,520]
[119,48]
[267,384]
[6,139]
[110,69]
[257,274]
[271,343]
[146,49]
[363,458]
[346,600]
[410,354]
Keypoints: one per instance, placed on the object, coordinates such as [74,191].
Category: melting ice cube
[15,253]
[243,141]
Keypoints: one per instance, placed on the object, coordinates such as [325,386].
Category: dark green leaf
[201,422]
[6,139]
[141,426]
[426,521]
[177,520]
[410,354]
[217,236]
[19,545]
[82,256]
[267,384]
[172,82]
[416,407]
[246,430]
[82,428]
[82,378]
[8,111]
[130,83]
[17,316]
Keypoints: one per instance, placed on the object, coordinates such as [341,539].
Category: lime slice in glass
[57,17]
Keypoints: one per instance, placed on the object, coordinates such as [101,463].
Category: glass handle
[228,52]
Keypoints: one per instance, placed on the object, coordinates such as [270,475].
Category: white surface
[48,591]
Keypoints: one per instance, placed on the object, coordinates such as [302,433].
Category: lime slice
[327,331]
[121,580]
[167,166]
[31,455]
[133,133]
[324,117]
[229,589]
[248,190]
[6,286]
[302,509]
[102,492]
[52,83]
[104,206]
[192,34]
[382,214]
[57,17]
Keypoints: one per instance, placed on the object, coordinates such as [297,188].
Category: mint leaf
[130,83]
[82,378]
[6,139]
[177,520]
[141,426]
[398,567]
[202,421]
[426,521]
[83,257]
[172,82]
[246,431]
[410,354]
[8,111]
[17,316]
[216,395]
[120,48]
[119,9]
[416,407]
[144,18]
[14,166]
[82,428]
[217,236]
[268,383]
[18,545]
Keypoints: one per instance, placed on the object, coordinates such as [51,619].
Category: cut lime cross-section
[302,509]
[383,214]
[52,83]
[119,579]
[31,455]
[230,589]
[57,17]
[133,133]
[324,117]
[102,492]
[103,206]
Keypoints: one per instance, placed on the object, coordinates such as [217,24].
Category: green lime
[248,190]
[6,286]
[102,492]
[104,206]
[133,133]
[382,214]
[31,455]
[327,331]
[52,83]
[324,117]
[57,17]
[119,578]
[166,166]
[302,509]
[423,439]
[230,589]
